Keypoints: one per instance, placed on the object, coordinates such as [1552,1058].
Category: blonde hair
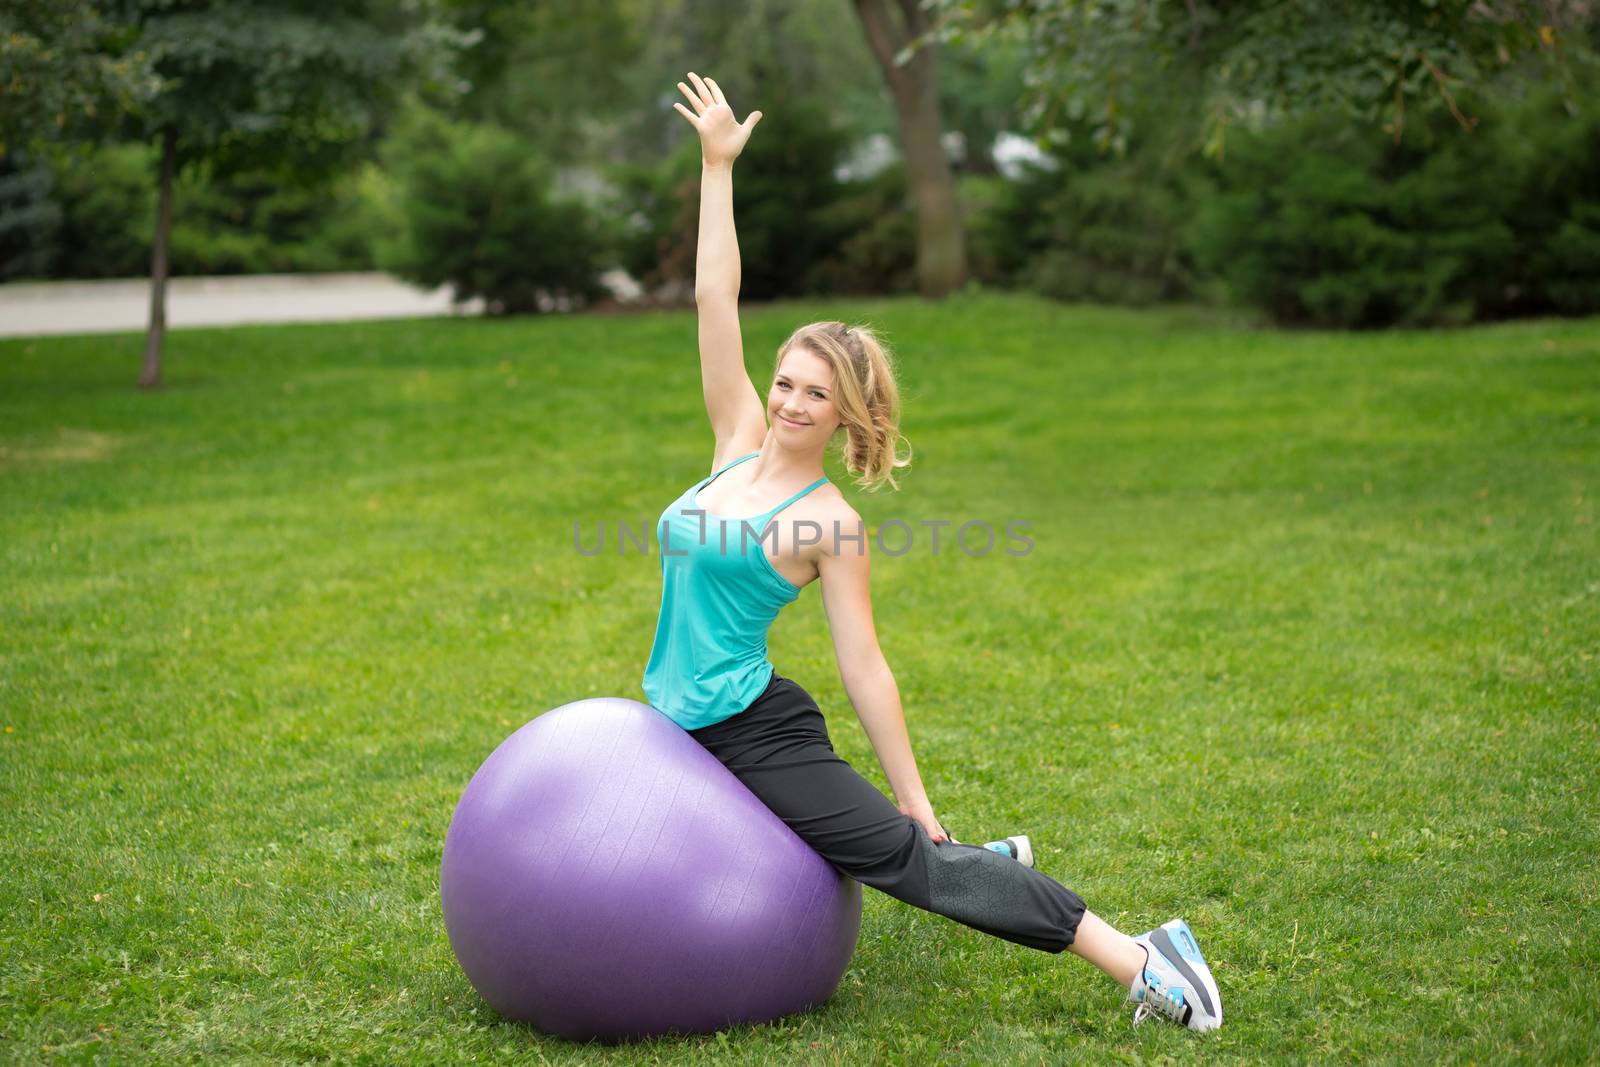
[866,394]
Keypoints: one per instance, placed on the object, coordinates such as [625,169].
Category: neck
[782,465]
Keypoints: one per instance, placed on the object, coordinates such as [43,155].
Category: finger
[685,111]
[751,120]
[705,93]
[699,106]
[716,91]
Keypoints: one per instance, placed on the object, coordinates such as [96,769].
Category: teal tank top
[719,596]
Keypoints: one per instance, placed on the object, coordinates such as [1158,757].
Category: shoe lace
[1159,999]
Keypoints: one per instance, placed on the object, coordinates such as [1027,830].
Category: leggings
[779,748]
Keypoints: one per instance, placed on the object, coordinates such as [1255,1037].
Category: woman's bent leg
[779,748]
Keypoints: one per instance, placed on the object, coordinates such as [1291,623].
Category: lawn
[1305,648]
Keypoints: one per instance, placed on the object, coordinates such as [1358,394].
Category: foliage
[96,210]
[1368,60]
[655,208]
[28,218]
[273,83]
[979,86]
[550,71]
[785,192]
[1087,226]
[476,209]
[249,222]
[106,211]
[769,57]
[68,70]
[1316,221]
[784,184]
[874,248]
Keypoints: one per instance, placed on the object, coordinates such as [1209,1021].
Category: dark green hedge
[1321,223]
[90,213]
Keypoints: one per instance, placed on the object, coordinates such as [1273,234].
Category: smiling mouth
[791,422]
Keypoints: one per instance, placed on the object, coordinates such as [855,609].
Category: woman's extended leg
[1109,949]
[779,748]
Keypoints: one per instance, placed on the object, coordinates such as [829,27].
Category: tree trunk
[941,246]
[150,375]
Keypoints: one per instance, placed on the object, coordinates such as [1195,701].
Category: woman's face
[800,404]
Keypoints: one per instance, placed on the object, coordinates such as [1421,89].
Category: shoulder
[844,533]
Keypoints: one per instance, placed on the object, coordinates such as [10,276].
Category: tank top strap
[731,463]
[797,496]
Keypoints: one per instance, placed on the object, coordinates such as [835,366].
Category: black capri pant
[779,748]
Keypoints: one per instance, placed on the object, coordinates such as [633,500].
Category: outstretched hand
[722,138]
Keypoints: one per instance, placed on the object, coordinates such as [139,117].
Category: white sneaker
[1018,848]
[1175,982]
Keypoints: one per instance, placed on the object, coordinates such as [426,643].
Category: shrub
[475,210]
[1302,224]
[1323,223]
[1086,226]
[784,196]
[29,217]
[655,209]
[103,205]
[1553,159]
[259,222]
[872,231]
[106,198]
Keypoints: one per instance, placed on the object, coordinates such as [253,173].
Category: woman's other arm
[735,411]
[845,571]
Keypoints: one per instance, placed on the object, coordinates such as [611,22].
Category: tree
[65,74]
[549,71]
[281,85]
[67,71]
[913,80]
[1237,61]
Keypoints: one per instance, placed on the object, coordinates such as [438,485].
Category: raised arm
[736,413]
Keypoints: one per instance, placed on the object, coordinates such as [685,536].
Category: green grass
[1307,651]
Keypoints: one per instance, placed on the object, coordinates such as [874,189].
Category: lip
[791,422]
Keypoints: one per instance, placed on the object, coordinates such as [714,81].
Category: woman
[728,567]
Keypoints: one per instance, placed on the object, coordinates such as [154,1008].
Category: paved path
[34,308]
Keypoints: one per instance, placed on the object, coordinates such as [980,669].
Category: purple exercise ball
[604,877]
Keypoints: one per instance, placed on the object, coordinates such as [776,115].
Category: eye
[818,395]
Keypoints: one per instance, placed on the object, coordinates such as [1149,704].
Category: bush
[259,222]
[786,200]
[979,198]
[1087,226]
[656,212]
[872,230]
[104,202]
[1554,158]
[1304,224]
[475,209]
[1323,223]
[29,218]
[102,207]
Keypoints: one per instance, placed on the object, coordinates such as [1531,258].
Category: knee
[891,860]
